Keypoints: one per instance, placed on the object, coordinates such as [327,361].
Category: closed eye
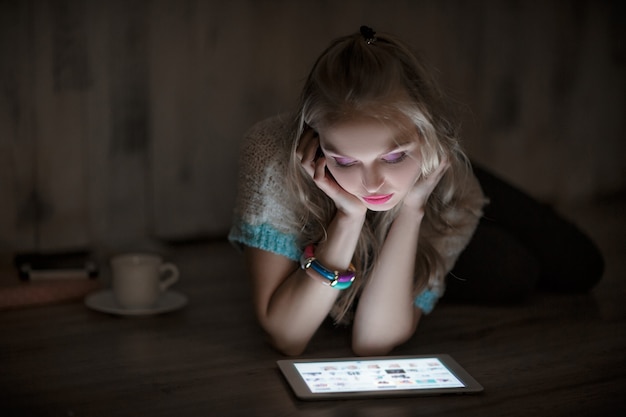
[344,162]
[396,157]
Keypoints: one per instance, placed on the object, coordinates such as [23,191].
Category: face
[372,161]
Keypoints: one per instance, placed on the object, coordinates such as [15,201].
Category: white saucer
[104,301]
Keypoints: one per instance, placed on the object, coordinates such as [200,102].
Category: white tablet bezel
[303,392]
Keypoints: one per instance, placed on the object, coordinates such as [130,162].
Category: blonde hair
[383,80]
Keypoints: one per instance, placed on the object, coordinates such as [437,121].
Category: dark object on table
[68,265]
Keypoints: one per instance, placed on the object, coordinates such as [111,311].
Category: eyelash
[396,160]
[401,157]
[343,164]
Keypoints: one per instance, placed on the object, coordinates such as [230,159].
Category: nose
[373,179]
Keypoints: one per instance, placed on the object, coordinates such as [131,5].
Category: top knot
[368,34]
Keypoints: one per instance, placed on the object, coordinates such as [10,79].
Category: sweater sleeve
[263,217]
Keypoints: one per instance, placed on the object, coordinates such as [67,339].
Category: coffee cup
[139,279]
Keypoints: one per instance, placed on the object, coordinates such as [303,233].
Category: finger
[320,169]
[323,179]
[306,153]
[307,146]
[301,144]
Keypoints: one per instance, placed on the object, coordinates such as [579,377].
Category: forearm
[295,311]
[386,315]
[300,303]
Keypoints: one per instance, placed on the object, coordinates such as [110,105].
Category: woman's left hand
[422,189]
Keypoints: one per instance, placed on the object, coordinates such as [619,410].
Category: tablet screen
[350,376]
[377,375]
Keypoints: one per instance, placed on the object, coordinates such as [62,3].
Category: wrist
[354,220]
[412,212]
[337,249]
[332,278]
[355,213]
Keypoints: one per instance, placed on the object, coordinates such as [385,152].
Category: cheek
[349,179]
[406,176]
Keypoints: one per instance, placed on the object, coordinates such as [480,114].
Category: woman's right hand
[314,163]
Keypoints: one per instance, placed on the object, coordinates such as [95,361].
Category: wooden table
[558,355]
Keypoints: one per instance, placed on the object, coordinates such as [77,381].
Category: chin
[382,207]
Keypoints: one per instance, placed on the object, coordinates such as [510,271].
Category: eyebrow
[396,147]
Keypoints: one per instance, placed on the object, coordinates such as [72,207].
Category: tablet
[367,377]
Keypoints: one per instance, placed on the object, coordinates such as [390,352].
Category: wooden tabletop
[557,355]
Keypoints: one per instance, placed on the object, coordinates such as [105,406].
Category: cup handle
[169,275]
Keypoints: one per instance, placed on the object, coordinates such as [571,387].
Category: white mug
[139,279]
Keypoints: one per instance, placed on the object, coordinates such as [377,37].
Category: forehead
[365,135]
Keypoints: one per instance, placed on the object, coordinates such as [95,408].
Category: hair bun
[368,34]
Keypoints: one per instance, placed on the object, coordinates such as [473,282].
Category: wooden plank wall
[120,120]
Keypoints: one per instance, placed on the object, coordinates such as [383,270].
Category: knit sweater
[264,218]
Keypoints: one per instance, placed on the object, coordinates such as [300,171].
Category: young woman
[360,204]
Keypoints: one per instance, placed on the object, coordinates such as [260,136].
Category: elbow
[287,347]
[370,343]
[285,342]
[373,347]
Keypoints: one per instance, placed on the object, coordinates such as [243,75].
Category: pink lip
[378,199]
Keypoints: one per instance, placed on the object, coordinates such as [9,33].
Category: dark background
[120,120]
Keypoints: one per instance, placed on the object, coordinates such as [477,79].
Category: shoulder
[265,149]
[450,229]
[472,193]
[462,201]
[273,133]
[274,124]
